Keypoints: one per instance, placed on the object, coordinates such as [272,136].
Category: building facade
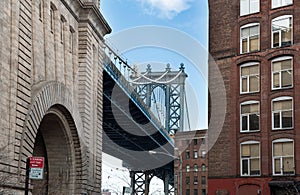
[191,167]
[255,44]
[50,81]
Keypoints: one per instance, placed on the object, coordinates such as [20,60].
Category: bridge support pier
[168,188]
[140,182]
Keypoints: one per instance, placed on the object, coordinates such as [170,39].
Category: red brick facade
[192,148]
[225,25]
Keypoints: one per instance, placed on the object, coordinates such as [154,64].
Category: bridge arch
[52,129]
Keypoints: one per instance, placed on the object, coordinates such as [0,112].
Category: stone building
[51,102]
[191,167]
[255,44]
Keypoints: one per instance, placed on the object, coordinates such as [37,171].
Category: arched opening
[54,142]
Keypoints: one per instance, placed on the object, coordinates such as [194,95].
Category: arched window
[250,158]
[282,113]
[282,72]
[249,77]
[282,31]
[249,38]
[250,114]
[283,157]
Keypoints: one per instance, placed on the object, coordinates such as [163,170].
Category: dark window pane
[245,167]
[187,155]
[287,119]
[276,119]
[254,122]
[187,191]
[244,123]
[195,192]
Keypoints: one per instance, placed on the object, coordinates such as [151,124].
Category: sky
[189,17]
[187,23]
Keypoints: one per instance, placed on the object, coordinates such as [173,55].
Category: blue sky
[189,16]
[186,16]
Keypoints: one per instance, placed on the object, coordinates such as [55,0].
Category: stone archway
[53,130]
[54,142]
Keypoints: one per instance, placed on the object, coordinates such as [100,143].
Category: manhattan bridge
[142,113]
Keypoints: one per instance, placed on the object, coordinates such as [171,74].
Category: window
[282,31]
[187,154]
[203,191]
[203,153]
[187,180]
[195,154]
[280,3]
[249,7]
[187,191]
[282,73]
[203,167]
[51,19]
[249,82]
[195,141]
[187,168]
[249,38]
[283,157]
[250,116]
[195,167]
[250,158]
[41,10]
[195,180]
[203,140]
[282,113]
[62,30]
[71,39]
[195,192]
[203,180]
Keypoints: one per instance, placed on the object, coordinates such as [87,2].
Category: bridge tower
[165,92]
[164,89]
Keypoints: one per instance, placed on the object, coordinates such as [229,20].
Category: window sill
[253,131]
[283,129]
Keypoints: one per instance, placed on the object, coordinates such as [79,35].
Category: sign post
[36,167]
[34,170]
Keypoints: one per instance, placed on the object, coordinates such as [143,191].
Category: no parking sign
[36,167]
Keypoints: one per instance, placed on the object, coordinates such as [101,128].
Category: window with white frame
[195,167]
[280,3]
[203,153]
[250,158]
[187,168]
[282,113]
[249,40]
[282,72]
[195,154]
[250,116]
[249,7]
[283,157]
[282,31]
[249,80]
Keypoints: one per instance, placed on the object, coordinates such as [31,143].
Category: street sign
[36,167]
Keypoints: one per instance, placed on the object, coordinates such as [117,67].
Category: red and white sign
[36,166]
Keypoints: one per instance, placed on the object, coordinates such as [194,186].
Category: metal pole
[27,177]
[180,167]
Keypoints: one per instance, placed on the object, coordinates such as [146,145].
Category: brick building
[255,44]
[192,173]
